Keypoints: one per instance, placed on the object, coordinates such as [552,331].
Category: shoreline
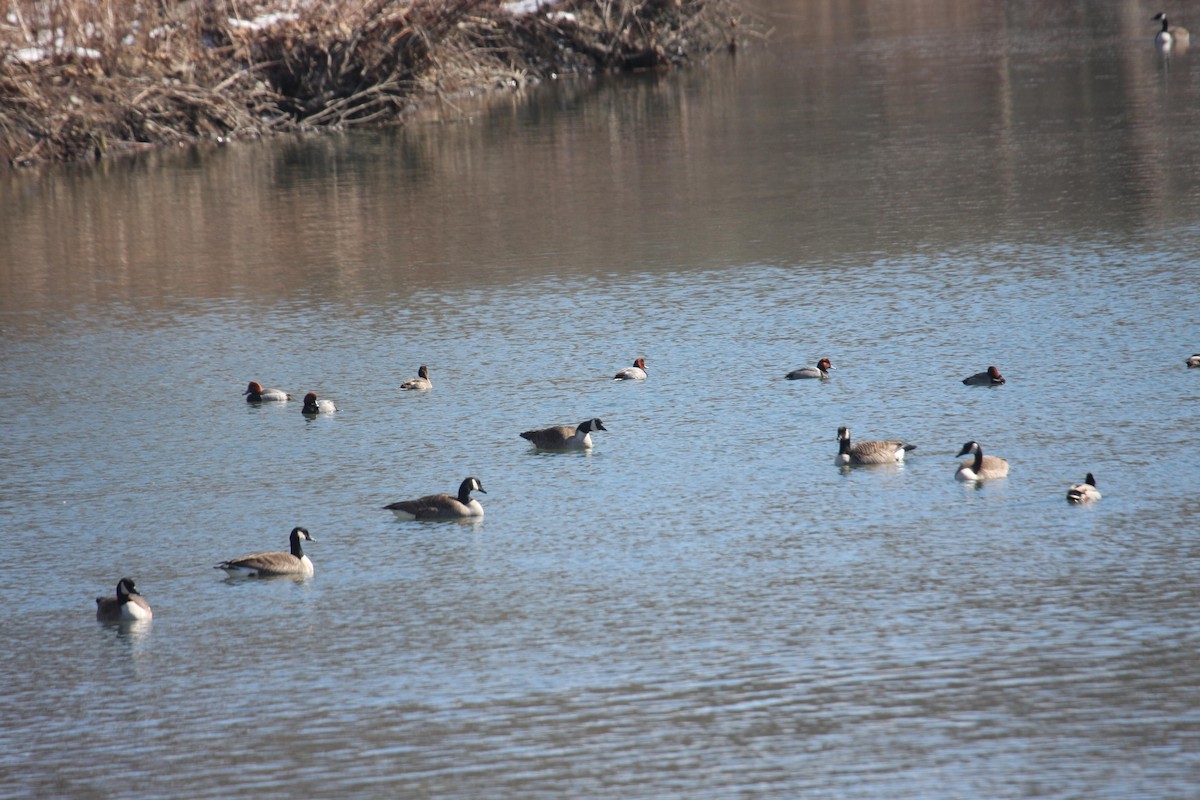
[77,85]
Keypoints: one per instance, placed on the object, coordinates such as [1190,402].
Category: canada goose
[1194,361]
[635,373]
[565,437]
[261,565]
[990,377]
[1084,492]
[255,393]
[419,383]
[821,370]
[982,467]
[442,506]
[875,451]
[127,606]
[1170,34]
[314,406]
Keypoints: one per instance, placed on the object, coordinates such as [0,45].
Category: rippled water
[704,605]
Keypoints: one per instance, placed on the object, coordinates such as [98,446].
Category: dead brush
[81,79]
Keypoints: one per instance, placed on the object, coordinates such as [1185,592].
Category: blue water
[704,605]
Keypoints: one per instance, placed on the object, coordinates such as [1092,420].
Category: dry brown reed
[83,79]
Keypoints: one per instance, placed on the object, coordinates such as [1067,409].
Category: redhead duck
[255,393]
[314,406]
[990,377]
[821,371]
[635,373]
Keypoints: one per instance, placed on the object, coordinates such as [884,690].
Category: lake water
[703,606]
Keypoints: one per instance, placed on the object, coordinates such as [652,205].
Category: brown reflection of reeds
[84,79]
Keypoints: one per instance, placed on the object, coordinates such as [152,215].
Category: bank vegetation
[87,79]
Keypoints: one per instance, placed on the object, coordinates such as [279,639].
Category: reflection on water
[703,605]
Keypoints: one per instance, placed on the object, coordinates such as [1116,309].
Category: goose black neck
[844,445]
[978,465]
[464,492]
[297,548]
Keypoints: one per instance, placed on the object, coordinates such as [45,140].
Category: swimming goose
[442,506]
[419,383]
[314,406]
[1170,34]
[255,393]
[127,606]
[982,467]
[565,437]
[1194,361]
[821,370]
[635,373]
[990,377]
[1084,492]
[877,451]
[261,565]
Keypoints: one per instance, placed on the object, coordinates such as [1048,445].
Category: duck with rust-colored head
[635,373]
[255,393]
[313,405]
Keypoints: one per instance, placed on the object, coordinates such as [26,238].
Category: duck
[877,451]
[262,565]
[418,384]
[989,377]
[982,467]
[635,373]
[1170,34]
[314,406]
[565,437]
[1085,492]
[1194,361]
[442,506]
[127,606]
[821,370]
[255,393]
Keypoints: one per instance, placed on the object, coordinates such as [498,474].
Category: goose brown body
[565,437]
[442,506]
[260,565]
[980,468]
[872,451]
[1171,36]
[126,606]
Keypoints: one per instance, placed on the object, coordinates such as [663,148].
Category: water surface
[704,605]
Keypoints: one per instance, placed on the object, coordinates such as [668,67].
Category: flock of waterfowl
[129,606]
